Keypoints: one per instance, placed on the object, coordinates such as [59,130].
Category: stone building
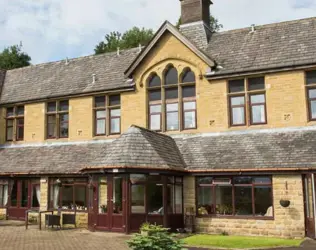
[218,124]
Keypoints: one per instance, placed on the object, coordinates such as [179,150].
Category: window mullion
[163,110]
[57,129]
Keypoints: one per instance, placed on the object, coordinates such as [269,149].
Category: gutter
[45,99]
[216,76]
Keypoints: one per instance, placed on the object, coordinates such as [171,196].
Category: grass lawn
[237,241]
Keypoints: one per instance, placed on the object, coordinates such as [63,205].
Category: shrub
[2,217]
[157,238]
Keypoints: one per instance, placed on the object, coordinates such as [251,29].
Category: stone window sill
[236,217]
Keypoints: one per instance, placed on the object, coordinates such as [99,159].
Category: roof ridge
[73,59]
[151,131]
[267,25]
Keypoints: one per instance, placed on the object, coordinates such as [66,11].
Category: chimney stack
[195,11]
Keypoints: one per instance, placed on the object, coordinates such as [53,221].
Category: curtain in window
[238,115]
[38,193]
[56,196]
[5,195]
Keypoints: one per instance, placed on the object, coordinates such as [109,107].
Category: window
[242,92]
[154,99]
[311,94]
[147,196]
[57,119]
[107,106]
[3,193]
[171,101]
[68,193]
[15,123]
[235,196]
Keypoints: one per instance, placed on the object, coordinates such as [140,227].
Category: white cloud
[55,29]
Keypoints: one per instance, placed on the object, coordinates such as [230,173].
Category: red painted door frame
[309,205]
[112,221]
[18,212]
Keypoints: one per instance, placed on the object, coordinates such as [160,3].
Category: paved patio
[16,237]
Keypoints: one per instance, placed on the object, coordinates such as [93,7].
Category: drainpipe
[314,198]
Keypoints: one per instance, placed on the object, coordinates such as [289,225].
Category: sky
[52,30]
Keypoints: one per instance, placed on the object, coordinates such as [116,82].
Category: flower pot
[285,203]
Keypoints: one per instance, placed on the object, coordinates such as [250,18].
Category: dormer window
[172,104]
[15,123]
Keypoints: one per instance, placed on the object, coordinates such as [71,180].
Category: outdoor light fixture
[58,181]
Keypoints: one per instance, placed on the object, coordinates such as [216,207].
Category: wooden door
[117,203]
[111,203]
[309,200]
[19,199]
[92,205]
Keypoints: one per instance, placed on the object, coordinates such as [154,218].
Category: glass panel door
[309,194]
[14,193]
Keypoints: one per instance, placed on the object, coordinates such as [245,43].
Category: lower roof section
[258,150]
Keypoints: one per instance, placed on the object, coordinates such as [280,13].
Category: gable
[167,29]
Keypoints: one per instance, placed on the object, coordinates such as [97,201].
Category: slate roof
[266,150]
[271,46]
[275,45]
[255,150]
[2,76]
[137,148]
[60,78]
[142,148]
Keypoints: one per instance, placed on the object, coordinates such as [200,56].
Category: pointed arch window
[172,102]
[154,97]
[188,99]
[171,82]
[171,76]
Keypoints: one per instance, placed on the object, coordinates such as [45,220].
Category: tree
[214,24]
[13,57]
[130,39]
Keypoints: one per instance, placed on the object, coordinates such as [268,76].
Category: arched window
[171,76]
[175,97]
[154,81]
[188,99]
[188,76]
[171,99]
[154,101]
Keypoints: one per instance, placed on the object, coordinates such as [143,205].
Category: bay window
[147,194]
[310,85]
[172,103]
[57,119]
[68,194]
[107,107]
[247,97]
[234,196]
[15,123]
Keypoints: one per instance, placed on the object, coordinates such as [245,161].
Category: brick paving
[16,237]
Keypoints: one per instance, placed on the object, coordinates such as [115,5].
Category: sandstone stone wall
[2,213]
[81,217]
[287,223]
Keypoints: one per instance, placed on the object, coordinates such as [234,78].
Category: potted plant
[285,203]
[104,209]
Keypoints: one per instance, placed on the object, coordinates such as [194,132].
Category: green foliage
[2,217]
[214,24]
[152,228]
[130,39]
[221,241]
[13,57]
[157,238]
